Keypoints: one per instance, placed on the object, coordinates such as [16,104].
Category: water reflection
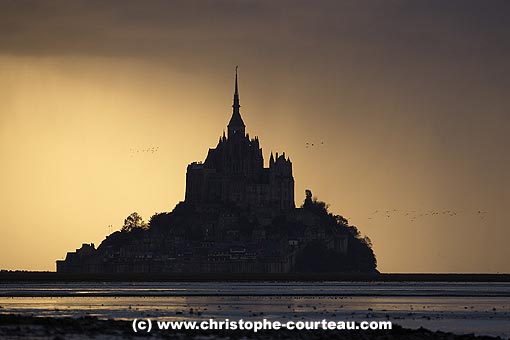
[481,308]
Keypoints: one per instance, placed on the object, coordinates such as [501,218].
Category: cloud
[180,28]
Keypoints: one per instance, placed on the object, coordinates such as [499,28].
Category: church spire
[236,124]
[236,93]
[236,105]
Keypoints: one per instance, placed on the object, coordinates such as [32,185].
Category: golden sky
[410,98]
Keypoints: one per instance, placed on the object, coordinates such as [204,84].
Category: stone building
[234,172]
[238,217]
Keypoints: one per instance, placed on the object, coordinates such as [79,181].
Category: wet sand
[14,326]
[478,308]
[26,276]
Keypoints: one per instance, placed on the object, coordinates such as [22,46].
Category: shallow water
[480,308]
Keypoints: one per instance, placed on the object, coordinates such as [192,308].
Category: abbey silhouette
[234,172]
[237,217]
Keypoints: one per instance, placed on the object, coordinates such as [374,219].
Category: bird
[152,149]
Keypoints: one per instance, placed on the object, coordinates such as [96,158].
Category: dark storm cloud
[176,28]
[127,28]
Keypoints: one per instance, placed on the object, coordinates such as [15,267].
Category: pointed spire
[237,90]
[236,105]
[271,160]
[236,125]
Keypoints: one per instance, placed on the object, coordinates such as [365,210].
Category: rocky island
[237,217]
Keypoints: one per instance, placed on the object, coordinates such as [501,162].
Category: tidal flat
[477,308]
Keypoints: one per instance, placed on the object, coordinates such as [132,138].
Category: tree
[132,222]
[160,222]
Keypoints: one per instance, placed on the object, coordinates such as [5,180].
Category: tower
[234,172]
[236,125]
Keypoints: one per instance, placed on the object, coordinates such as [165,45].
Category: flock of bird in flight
[413,215]
[312,145]
[150,150]
[156,148]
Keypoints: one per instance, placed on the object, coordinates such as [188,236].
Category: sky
[407,104]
